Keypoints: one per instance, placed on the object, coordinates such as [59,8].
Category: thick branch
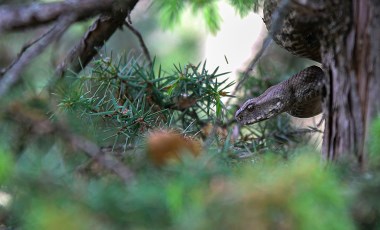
[14,17]
[99,32]
[27,16]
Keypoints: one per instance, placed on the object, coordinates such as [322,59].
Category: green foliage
[200,193]
[212,17]
[133,99]
[256,181]
[170,10]
[46,214]
[244,177]
[244,7]
[366,205]
[6,165]
[374,143]
[274,195]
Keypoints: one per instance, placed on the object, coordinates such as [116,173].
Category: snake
[301,94]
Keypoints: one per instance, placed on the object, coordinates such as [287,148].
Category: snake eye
[250,108]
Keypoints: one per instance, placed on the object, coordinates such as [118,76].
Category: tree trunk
[350,58]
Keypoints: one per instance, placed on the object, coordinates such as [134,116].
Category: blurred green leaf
[47,214]
[212,17]
[170,11]
[6,165]
[374,142]
[244,7]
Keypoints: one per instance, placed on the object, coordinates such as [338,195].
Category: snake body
[300,95]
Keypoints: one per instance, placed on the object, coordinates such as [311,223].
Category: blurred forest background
[146,139]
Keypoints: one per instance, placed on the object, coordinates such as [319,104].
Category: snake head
[253,111]
[269,104]
[300,96]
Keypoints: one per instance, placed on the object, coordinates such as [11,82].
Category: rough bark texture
[350,59]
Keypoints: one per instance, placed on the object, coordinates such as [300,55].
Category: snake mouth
[259,119]
[253,120]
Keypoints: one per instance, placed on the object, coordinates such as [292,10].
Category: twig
[277,20]
[253,62]
[141,41]
[12,75]
[106,160]
[40,124]
[305,131]
[23,49]
[98,33]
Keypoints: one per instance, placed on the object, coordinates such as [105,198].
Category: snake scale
[301,94]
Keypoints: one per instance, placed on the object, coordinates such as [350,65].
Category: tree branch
[99,32]
[141,41]
[13,17]
[106,160]
[12,74]
[40,124]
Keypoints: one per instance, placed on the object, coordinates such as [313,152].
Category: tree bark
[350,58]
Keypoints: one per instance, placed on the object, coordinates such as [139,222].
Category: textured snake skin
[299,32]
[300,96]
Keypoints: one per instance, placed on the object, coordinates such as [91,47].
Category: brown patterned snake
[300,95]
